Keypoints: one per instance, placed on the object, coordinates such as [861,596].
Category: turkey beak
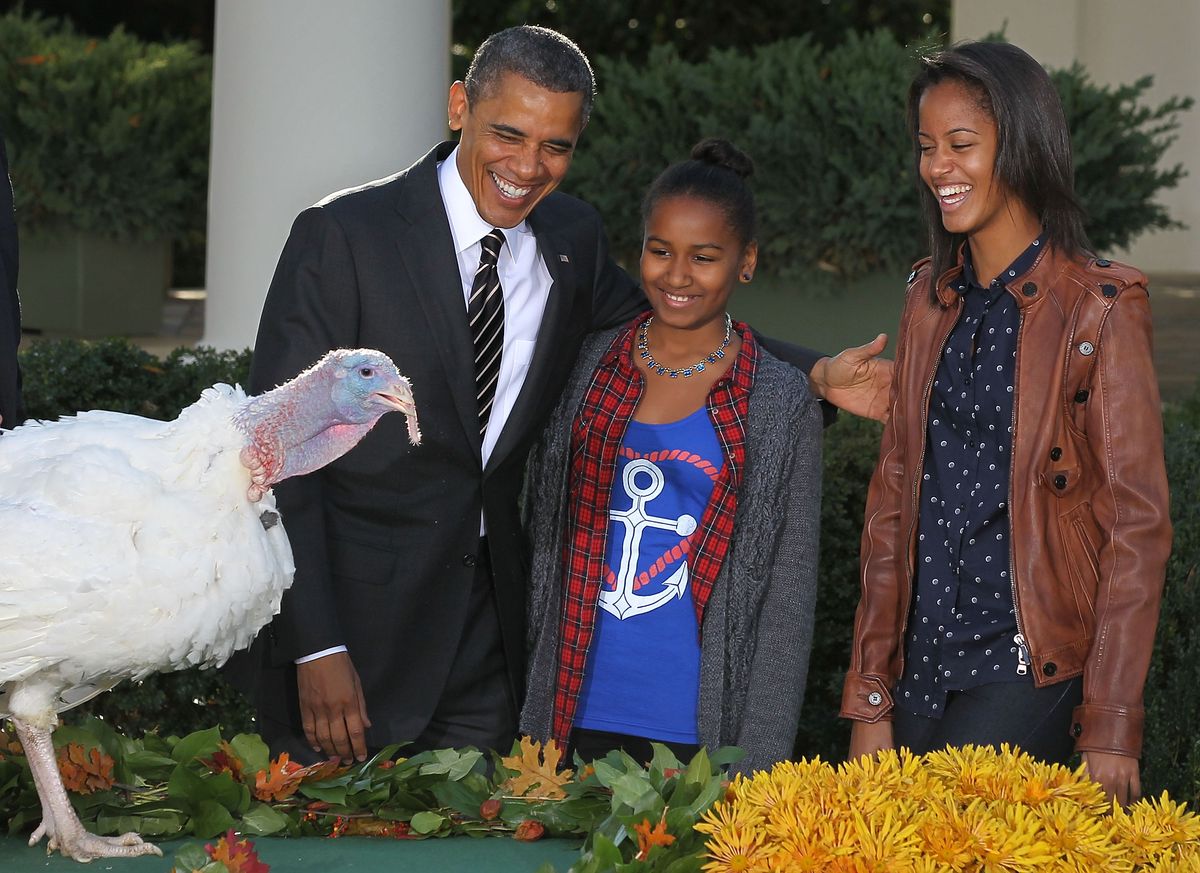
[400,402]
[400,398]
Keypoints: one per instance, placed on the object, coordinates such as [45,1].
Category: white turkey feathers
[130,546]
[118,527]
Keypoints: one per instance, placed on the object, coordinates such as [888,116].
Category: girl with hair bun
[675,506]
[1017,528]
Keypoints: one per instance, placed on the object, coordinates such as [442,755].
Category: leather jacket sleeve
[875,650]
[1124,425]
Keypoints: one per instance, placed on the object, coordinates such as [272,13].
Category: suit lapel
[427,249]
[547,352]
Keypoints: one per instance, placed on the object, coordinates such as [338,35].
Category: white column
[309,97]
[1118,42]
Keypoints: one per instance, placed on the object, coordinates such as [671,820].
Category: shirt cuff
[321,654]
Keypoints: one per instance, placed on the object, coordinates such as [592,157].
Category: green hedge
[67,375]
[826,130]
[1172,750]
[106,135]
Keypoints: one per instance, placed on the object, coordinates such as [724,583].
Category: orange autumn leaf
[84,771]
[280,780]
[536,769]
[649,837]
[284,776]
[238,856]
[225,760]
[323,770]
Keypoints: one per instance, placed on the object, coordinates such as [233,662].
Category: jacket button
[1055,453]
[1076,729]
[1060,481]
[1103,262]
[1108,290]
[874,698]
[1029,289]
[468,560]
[1049,668]
[1081,395]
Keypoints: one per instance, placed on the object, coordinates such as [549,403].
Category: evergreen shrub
[825,127]
[1171,759]
[104,135]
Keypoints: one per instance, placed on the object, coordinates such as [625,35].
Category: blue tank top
[643,668]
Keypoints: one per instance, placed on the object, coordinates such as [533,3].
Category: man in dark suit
[409,596]
[12,411]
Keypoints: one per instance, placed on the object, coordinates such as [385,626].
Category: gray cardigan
[758,622]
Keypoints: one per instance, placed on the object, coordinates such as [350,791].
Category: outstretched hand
[857,379]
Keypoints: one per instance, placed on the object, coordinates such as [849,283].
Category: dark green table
[316,855]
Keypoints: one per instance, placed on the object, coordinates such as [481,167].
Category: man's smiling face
[516,146]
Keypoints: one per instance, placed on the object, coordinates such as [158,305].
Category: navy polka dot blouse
[962,628]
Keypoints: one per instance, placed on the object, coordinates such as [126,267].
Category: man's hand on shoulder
[856,379]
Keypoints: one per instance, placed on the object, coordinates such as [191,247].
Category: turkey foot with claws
[59,822]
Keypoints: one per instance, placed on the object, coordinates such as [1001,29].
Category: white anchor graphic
[623,602]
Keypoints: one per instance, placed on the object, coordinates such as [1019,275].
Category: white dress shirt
[526,285]
[523,277]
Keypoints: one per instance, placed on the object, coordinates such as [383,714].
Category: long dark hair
[1033,143]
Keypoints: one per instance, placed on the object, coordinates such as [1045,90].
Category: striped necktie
[485,311]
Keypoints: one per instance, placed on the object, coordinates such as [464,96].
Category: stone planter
[88,285]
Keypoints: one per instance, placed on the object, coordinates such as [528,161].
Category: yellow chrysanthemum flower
[1155,828]
[967,810]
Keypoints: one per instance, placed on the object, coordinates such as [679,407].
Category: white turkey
[130,546]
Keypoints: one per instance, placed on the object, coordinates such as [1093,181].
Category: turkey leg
[59,821]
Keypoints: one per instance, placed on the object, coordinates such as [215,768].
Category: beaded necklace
[661,369]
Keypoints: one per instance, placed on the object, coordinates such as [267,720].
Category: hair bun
[723,153]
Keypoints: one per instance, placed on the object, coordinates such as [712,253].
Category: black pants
[476,706]
[593,745]
[1037,720]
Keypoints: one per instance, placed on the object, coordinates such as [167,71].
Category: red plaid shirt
[597,433]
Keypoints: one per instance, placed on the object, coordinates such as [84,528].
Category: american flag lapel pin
[564,259]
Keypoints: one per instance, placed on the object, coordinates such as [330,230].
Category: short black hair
[1033,142]
[539,54]
[716,173]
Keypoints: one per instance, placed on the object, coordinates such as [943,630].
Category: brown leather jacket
[1089,507]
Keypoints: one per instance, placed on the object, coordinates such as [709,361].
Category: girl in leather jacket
[1017,530]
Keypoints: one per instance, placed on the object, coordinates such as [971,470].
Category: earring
[746,277]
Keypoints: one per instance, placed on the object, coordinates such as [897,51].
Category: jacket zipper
[912,530]
[1024,660]
[1022,654]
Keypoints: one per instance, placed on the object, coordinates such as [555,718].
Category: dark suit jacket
[11,408]
[385,538]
